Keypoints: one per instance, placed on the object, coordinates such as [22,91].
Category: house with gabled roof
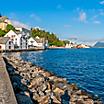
[6,43]
[19,40]
[38,42]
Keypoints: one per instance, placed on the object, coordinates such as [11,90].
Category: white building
[6,43]
[19,40]
[37,42]
[24,34]
[13,36]
[32,43]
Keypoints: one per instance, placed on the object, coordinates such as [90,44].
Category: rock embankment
[34,85]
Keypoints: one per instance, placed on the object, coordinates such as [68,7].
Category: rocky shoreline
[34,85]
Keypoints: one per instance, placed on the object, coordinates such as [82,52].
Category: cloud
[19,24]
[97,22]
[35,17]
[102,2]
[82,16]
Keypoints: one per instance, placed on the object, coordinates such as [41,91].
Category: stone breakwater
[34,85]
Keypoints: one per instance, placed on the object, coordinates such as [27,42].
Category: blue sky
[83,19]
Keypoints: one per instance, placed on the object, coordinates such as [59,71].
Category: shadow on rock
[65,99]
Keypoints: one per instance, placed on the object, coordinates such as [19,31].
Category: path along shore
[7,95]
[34,85]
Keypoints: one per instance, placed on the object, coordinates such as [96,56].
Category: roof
[3,40]
[11,32]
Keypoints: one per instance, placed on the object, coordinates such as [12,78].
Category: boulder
[58,91]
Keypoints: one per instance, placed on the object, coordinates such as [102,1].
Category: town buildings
[20,40]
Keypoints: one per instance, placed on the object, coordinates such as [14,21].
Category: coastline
[37,85]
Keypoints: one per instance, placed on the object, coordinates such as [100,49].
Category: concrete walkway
[6,91]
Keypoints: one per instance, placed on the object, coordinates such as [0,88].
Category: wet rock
[23,99]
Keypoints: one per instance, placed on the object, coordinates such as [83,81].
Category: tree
[66,42]
[2,33]
[10,27]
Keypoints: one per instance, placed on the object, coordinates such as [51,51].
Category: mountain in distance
[99,44]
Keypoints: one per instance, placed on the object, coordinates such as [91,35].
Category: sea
[84,67]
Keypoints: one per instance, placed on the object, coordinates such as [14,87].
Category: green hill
[51,37]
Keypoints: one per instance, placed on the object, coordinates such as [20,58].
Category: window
[12,39]
[0,47]
[21,43]
[31,41]
[9,47]
[16,41]
[9,42]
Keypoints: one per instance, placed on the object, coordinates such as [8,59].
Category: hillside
[99,44]
[51,37]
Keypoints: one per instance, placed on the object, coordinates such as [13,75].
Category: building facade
[40,43]
[6,43]
[18,38]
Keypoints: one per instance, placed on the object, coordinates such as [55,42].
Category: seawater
[85,67]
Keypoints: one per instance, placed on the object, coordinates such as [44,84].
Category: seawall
[7,95]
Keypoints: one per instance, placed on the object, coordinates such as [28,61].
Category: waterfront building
[18,38]
[38,42]
[82,46]
[32,43]
[70,45]
[6,43]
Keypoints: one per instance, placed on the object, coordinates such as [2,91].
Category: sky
[81,19]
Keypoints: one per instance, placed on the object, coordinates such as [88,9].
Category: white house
[13,36]
[32,43]
[6,43]
[18,39]
[37,42]
[24,33]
